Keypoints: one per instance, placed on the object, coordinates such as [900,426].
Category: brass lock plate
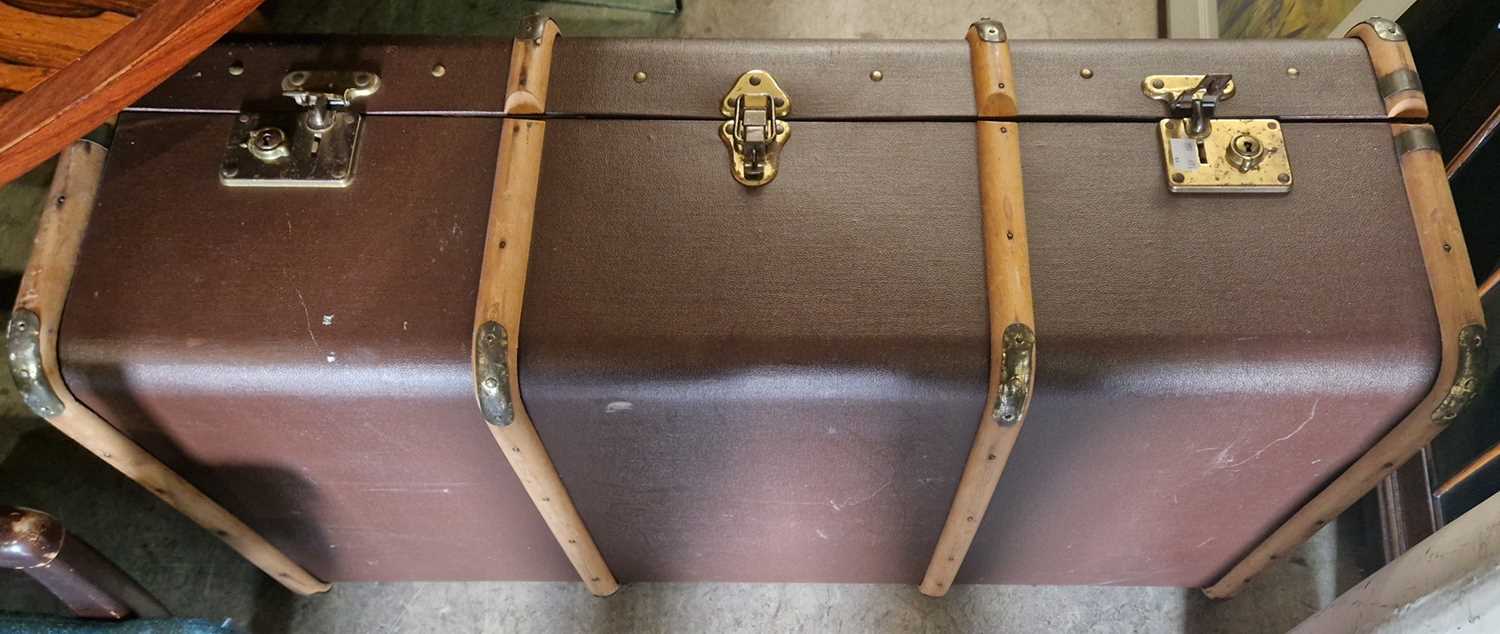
[755,130]
[313,146]
[1238,156]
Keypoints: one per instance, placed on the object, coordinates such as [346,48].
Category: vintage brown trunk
[770,384]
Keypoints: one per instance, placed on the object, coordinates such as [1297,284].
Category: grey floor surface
[195,575]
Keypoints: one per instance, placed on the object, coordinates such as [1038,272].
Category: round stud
[1283,178]
[236,68]
[1178,178]
[1157,83]
[876,75]
[438,70]
[362,79]
[754,80]
[1293,72]
[639,77]
[1086,73]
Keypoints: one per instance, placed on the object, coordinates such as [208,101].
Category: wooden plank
[1008,283]
[51,41]
[44,288]
[39,123]
[502,285]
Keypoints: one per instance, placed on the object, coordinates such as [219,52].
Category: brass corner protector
[23,346]
[1472,361]
[492,374]
[989,30]
[1018,349]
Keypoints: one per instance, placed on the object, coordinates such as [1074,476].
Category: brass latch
[1205,154]
[312,146]
[755,131]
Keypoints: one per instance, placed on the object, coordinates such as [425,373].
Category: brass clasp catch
[755,131]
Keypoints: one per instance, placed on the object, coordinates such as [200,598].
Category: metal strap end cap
[1387,30]
[492,374]
[1400,80]
[23,347]
[532,27]
[1417,137]
[989,30]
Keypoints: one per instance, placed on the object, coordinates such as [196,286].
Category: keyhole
[1202,154]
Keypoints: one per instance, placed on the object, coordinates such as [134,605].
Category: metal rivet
[1284,178]
[1272,125]
[1447,247]
[1178,178]
[1157,83]
[970,518]
[1086,73]
[1171,125]
[438,70]
[639,77]
[229,169]
[236,68]
[297,78]
[779,101]
[244,118]
[1010,236]
[361,79]
[1292,71]
[1001,85]
[876,75]
[491,383]
[754,80]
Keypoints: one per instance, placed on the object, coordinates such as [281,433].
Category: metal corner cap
[1468,379]
[23,347]
[492,374]
[532,27]
[1417,137]
[1387,30]
[989,30]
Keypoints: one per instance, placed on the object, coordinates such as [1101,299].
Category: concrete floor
[195,575]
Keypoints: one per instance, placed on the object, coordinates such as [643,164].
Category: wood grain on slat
[48,41]
[44,288]
[19,78]
[1008,283]
[1456,300]
[502,285]
[81,8]
[43,121]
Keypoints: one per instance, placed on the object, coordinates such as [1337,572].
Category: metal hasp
[755,131]
[1205,154]
[313,146]
[1019,348]
[23,346]
[1472,360]
[492,374]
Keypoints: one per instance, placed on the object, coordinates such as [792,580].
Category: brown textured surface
[829,78]
[803,364]
[206,344]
